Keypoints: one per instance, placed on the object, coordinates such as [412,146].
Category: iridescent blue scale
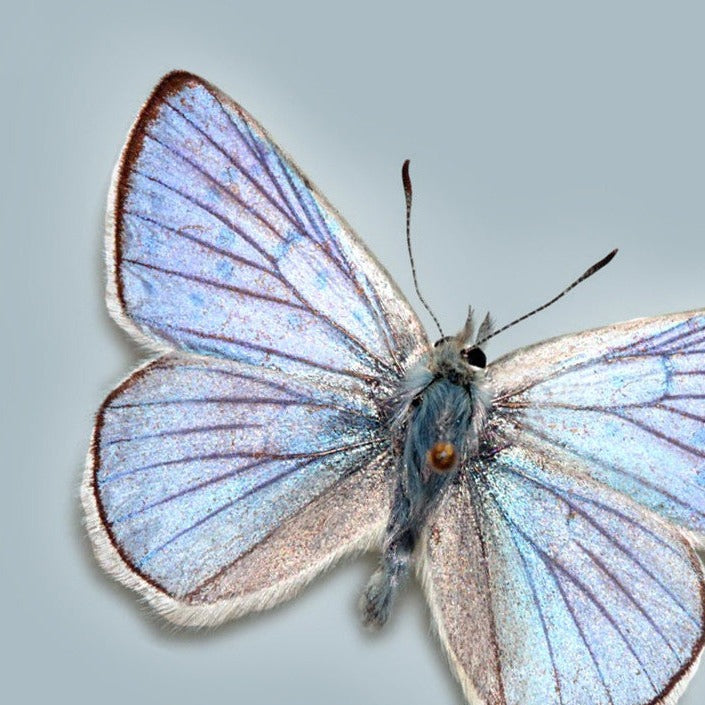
[296,412]
[631,415]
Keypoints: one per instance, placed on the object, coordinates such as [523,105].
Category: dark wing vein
[217,285]
[593,460]
[240,167]
[623,548]
[306,459]
[567,603]
[624,352]
[374,306]
[552,563]
[229,224]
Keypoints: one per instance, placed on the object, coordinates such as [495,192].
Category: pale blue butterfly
[297,413]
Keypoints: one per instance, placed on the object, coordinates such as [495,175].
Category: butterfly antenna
[406,180]
[585,275]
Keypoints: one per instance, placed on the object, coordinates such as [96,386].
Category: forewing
[626,403]
[549,588]
[219,245]
[214,487]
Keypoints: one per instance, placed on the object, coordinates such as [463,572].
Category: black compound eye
[474,357]
[442,340]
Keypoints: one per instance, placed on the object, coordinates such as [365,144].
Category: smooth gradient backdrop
[541,134]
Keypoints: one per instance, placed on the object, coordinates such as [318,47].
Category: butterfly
[297,412]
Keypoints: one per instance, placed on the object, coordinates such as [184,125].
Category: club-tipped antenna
[585,275]
[406,180]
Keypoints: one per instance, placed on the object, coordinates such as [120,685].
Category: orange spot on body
[442,456]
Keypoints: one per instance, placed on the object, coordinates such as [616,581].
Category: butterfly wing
[219,245]
[550,588]
[626,403]
[225,474]
[214,487]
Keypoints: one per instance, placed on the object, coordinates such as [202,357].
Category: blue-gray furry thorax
[442,399]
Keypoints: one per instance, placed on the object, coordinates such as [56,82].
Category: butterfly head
[453,359]
[473,355]
[456,354]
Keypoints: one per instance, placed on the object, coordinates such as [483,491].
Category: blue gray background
[541,135]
